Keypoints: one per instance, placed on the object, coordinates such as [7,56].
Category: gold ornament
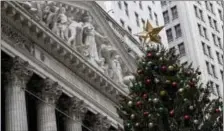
[162,93]
[150,33]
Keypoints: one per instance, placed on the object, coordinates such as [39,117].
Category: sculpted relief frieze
[77,27]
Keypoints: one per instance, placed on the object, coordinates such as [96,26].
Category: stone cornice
[58,48]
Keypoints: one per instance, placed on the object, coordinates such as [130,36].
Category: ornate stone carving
[81,35]
[17,39]
[89,42]
[50,91]
[101,123]
[19,73]
[76,108]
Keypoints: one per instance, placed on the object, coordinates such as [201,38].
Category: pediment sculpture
[75,26]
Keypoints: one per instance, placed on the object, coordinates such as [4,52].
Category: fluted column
[101,123]
[76,109]
[15,108]
[46,118]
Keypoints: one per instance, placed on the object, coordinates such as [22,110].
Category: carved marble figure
[89,34]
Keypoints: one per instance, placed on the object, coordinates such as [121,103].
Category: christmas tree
[167,96]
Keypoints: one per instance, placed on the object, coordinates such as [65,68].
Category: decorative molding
[50,91]
[19,73]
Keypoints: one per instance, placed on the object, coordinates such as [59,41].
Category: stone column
[46,118]
[76,109]
[15,109]
[101,123]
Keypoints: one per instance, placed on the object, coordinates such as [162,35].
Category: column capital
[76,108]
[19,71]
[101,123]
[50,91]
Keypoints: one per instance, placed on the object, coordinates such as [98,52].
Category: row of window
[219,57]
[213,23]
[211,69]
[178,32]
[208,7]
[155,15]
[181,49]
[198,13]
[173,12]
[206,49]
[217,41]
[137,15]
[202,31]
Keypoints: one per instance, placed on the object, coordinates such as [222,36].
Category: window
[211,8]
[178,31]
[204,49]
[200,31]
[213,71]
[205,33]
[208,67]
[174,12]
[218,57]
[209,51]
[143,22]
[119,4]
[150,12]
[210,21]
[201,15]
[221,72]
[169,35]
[219,42]
[181,49]
[220,14]
[215,24]
[163,3]
[140,4]
[157,23]
[196,11]
[122,22]
[214,39]
[126,8]
[166,17]
[137,20]
[129,29]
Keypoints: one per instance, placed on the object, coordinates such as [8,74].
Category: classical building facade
[64,64]
[197,34]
